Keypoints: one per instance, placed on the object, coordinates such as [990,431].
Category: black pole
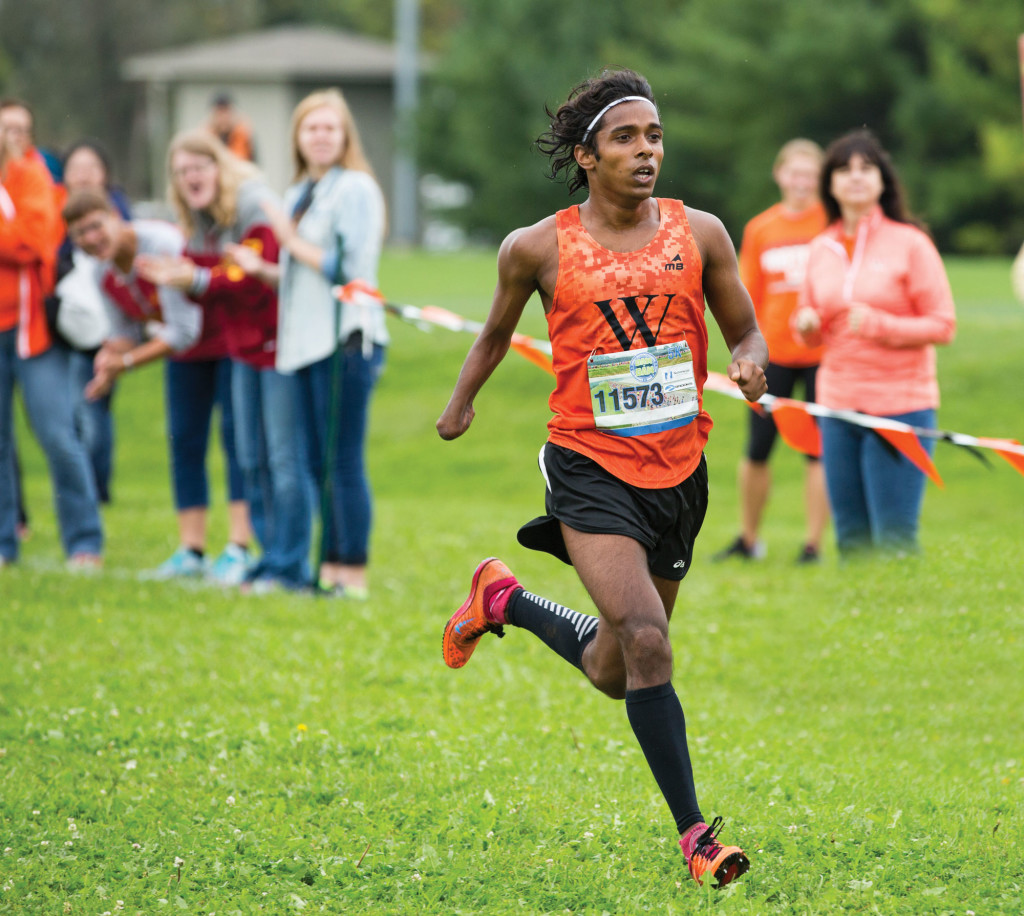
[330,450]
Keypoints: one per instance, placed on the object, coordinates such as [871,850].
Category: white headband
[604,111]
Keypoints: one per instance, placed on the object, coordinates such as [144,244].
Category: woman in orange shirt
[773,257]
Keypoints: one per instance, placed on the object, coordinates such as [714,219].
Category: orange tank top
[630,351]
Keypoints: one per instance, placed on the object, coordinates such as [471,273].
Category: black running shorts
[587,498]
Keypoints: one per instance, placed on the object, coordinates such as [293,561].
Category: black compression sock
[565,631]
[656,717]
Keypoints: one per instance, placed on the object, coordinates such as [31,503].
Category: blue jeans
[268,440]
[93,422]
[346,530]
[191,391]
[46,390]
[875,494]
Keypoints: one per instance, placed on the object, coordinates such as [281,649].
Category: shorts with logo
[587,498]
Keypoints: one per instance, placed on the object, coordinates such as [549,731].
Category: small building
[266,73]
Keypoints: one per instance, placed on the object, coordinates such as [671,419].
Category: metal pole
[405,223]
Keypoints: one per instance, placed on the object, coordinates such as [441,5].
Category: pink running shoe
[708,856]
[482,612]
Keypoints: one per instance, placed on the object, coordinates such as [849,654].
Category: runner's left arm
[730,303]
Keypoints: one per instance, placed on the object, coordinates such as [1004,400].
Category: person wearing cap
[228,125]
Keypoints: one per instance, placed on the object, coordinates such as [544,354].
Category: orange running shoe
[710,856]
[482,612]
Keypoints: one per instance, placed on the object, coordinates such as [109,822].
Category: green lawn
[167,748]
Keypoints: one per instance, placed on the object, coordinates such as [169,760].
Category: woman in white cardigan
[332,232]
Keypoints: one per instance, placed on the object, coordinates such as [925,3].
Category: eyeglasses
[197,168]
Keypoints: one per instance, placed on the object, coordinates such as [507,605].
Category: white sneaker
[231,566]
[182,564]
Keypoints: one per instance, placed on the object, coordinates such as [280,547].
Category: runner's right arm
[520,264]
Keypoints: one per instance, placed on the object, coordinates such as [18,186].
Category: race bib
[638,392]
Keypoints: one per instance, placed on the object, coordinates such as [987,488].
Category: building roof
[286,52]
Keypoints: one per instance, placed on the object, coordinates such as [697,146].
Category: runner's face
[629,148]
[321,138]
[196,177]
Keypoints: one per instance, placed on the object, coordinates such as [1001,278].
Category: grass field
[167,748]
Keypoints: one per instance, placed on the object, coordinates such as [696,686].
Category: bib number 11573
[638,392]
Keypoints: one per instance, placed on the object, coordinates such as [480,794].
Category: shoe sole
[735,864]
[453,621]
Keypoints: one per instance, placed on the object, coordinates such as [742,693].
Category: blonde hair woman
[332,232]
[219,200]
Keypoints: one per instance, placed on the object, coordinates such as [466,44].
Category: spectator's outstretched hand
[165,270]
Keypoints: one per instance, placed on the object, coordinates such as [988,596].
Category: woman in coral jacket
[877,297]
[221,201]
[30,230]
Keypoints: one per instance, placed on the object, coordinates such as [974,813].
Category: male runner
[623,279]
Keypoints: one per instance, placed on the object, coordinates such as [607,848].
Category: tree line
[939,83]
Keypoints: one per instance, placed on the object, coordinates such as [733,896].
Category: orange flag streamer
[907,443]
[1015,457]
[527,348]
[796,426]
[794,419]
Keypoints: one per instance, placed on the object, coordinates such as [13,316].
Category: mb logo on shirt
[677,263]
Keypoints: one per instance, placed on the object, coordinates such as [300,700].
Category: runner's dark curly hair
[570,121]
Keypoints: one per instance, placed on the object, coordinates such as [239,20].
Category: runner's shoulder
[709,232]
[527,251]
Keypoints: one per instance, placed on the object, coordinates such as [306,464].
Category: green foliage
[167,748]
[737,79]
[485,105]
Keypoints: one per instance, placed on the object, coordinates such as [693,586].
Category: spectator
[17,120]
[333,232]
[17,123]
[1017,275]
[230,127]
[221,203]
[773,257]
[878,300]
[147,322]
[87,167]
[29,230]
[196,381]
